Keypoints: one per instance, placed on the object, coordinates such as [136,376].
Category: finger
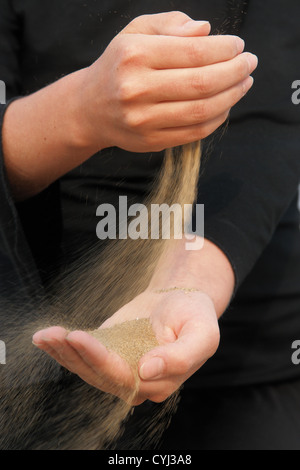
[49,333]
[198,83]
[94,362]
[176,136]
[189,113]
[173,52]
[174,23]
[157,390]
[44,346]
[198,339]
[53,341]
[184,135]
[45,339]
[89,359]
[102,362]
[179,359]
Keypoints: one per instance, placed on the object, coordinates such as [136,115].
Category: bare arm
[43,138]
[125,99]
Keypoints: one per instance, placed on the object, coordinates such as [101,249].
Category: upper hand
[163,82]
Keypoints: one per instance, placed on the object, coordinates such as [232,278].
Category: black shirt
[249,178]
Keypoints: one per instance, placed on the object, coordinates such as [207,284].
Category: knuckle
[125,91]
[177,15]
[193,51]
[200,111]
[130,52]
[134,120]
[206,130]
[201,132]
[131,89]
[201,83]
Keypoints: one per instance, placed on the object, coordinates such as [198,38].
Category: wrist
[206,271]
[81,103]
[91,109]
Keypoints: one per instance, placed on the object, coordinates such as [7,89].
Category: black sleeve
[18,274]
[246,186]
[10,49]
[17,267]
[25,228]
[252,174]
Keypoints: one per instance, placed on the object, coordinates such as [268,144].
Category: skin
[125,99]
[186,326]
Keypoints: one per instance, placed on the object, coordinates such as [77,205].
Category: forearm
[207,270]
[42,136]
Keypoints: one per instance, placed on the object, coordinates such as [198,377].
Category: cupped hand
[185,325]
[163,82]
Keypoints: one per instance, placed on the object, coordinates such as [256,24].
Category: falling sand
[132,340]
[42,405]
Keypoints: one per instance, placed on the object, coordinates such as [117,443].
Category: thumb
[179,359]
[196,343]
[173,23]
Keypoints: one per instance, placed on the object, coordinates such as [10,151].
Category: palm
[184,325]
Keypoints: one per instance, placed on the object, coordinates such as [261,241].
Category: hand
[187,330]
[163,82]
[160,83]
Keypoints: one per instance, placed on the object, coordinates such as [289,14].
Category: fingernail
[247,84]
[194,24]
[240,44]
[252,61]
[152,369]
